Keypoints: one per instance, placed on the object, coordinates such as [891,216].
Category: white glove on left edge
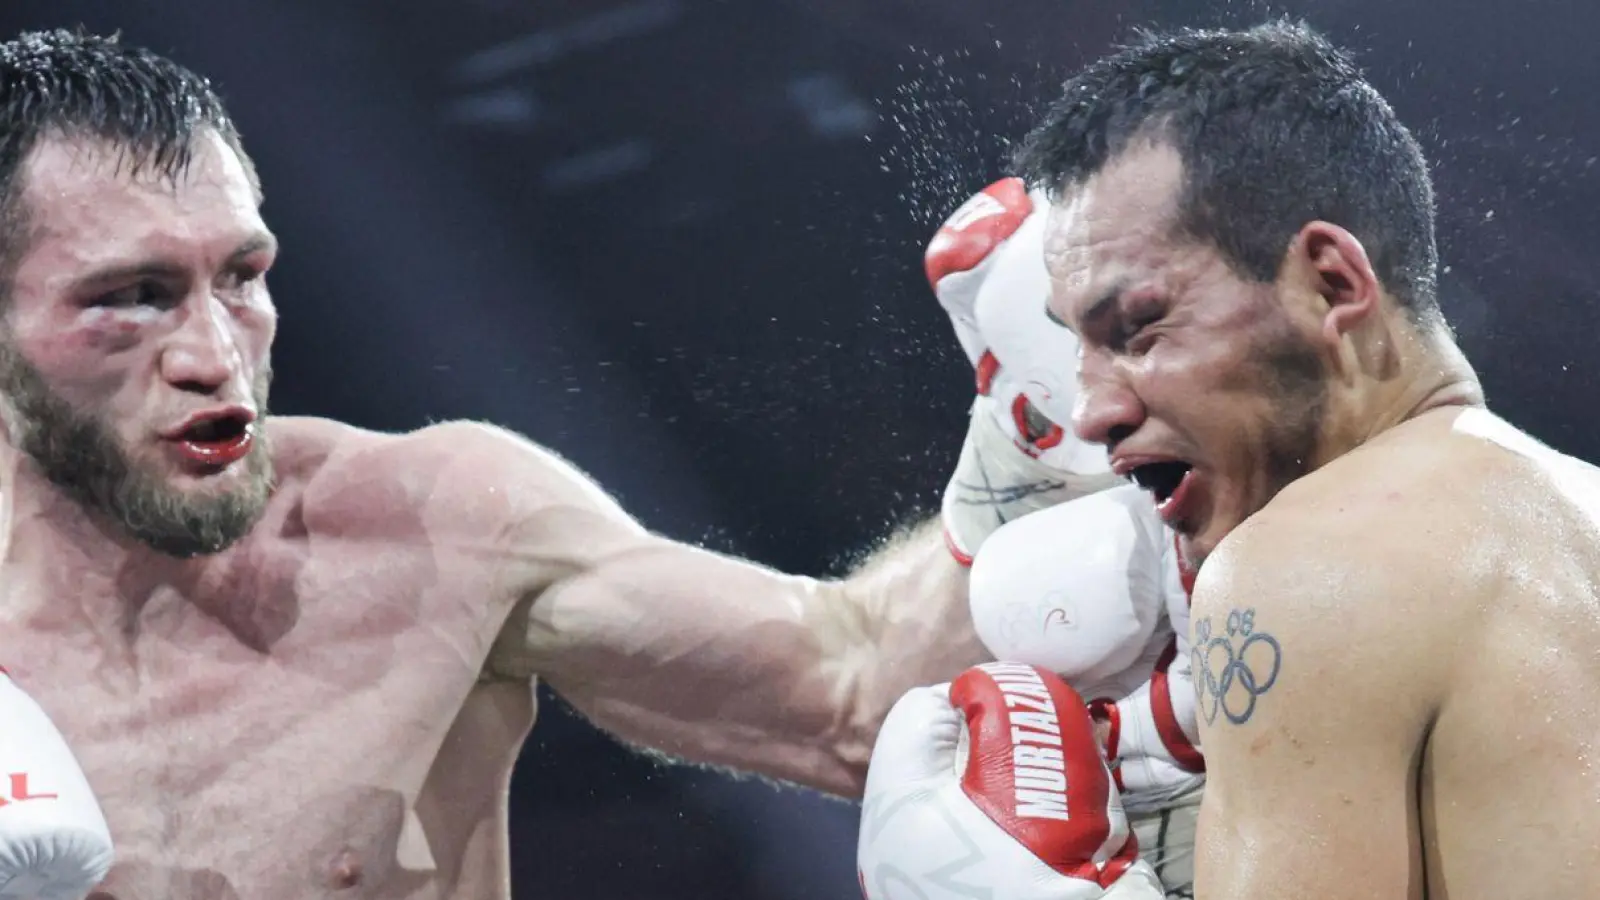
[54,843]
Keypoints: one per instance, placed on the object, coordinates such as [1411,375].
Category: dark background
[679,241]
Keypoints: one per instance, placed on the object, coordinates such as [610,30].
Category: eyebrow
[1103,306]
[256,243]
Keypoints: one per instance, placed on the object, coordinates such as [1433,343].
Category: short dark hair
[84,86]
[1276,127]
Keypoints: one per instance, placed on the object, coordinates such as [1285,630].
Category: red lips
[215,439]
[218,454]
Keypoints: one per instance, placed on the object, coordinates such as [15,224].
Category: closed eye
[1141,313]
[1137,336]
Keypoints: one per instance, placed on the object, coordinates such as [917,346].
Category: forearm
[722,661]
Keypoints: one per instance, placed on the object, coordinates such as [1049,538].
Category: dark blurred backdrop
[679,241]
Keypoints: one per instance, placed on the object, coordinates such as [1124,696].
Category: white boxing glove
[993,786]
[986,265]
[1077,589]
[54,843]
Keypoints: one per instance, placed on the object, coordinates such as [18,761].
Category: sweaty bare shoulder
[464,481]
[1324,634]
[1400,647]
[464,494]
[1339,563]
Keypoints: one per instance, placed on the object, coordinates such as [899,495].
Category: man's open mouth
[1161,478]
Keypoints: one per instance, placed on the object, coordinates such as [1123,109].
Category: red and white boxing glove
[54,843]
[1091,589]
[994,786]
[986,265]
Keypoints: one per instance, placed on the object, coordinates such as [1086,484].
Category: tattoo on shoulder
[1233,666]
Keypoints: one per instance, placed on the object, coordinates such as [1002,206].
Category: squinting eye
[1139,336]
[143,293]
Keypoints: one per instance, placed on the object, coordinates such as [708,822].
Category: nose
[202,355]
[1107,409]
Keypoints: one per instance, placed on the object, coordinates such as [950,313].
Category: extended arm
[1316,681]
[715,659]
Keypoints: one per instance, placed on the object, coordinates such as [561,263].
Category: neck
[60,559]
[1426,372]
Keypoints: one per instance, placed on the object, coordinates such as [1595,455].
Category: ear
[1336,267]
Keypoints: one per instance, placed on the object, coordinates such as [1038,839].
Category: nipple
[346,871]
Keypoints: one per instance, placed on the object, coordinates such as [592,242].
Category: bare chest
[269,735]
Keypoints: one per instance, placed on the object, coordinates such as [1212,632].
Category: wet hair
[1275,126]
[80,86]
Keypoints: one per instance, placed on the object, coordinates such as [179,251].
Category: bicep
[1312,731]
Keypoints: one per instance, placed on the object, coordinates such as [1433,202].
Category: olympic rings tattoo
[1225,682]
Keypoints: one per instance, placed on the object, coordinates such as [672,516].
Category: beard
[80,454]
[1283,434]
[1296,380]
[1300,380]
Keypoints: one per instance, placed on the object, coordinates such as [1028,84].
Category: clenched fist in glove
[986,265]
[54,844]
[1092,590]
[994,786]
